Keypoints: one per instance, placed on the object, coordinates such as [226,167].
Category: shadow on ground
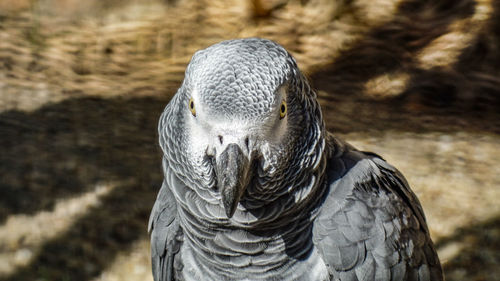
[469,86]
[480,254]
[65,149]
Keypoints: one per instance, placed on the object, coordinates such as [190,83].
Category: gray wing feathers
[371,226]
[163,228]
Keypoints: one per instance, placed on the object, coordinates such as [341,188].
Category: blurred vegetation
[82,84]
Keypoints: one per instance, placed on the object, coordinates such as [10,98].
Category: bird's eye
[191,106]
[282,109]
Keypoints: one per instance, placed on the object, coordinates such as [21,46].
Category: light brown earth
[82,84]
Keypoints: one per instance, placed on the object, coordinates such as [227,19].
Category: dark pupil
[282,108]
[191,104]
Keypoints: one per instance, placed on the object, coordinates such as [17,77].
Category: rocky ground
[82,87]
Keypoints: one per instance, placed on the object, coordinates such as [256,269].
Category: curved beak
[232,169]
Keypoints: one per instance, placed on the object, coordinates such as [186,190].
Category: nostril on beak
[247,143]
[221,139]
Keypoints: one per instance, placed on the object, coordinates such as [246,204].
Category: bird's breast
[241,256]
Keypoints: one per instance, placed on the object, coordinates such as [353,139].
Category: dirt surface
[82,87]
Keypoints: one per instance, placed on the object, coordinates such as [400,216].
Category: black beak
[232,169]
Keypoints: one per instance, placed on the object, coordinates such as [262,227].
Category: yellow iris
[283,109]
[191,106]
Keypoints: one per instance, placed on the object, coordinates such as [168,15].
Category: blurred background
[82,84]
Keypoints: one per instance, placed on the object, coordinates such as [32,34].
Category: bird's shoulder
[166,234]
[370,225]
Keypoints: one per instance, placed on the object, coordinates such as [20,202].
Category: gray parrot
[255,188]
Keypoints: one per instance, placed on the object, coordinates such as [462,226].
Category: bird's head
[245,111]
